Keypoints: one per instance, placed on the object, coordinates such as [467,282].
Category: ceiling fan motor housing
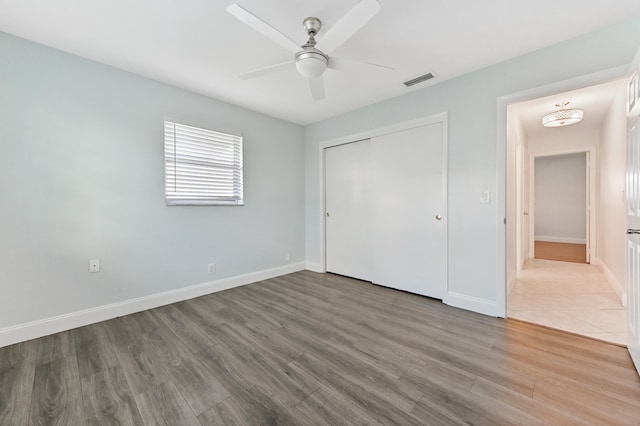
[311,62]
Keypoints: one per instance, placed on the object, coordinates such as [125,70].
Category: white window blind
[202,167]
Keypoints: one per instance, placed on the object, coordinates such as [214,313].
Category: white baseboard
[617,286]
[560,239]
[470,303]
[314,267]
[31,330]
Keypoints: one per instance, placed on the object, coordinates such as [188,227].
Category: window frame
[205,158]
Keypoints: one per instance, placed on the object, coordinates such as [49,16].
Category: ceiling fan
[308,59]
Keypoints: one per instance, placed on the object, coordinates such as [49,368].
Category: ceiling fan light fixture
[311,63]
[563,117]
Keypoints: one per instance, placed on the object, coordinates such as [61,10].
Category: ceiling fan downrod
[311,26]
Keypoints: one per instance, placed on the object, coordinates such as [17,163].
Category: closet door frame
[423,121]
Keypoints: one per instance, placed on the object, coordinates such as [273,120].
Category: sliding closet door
[408,202]
[348,206]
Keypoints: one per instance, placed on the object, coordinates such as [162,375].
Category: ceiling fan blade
[317,88]
[348,25]
[271,69]
[262,27]
[341,64]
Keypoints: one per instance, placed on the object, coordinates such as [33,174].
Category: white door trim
[591,198]
[521,253]
[423,121]
[501,163]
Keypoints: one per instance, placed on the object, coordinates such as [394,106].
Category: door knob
[438,217]
[327,214]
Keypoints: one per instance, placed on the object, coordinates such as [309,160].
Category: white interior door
[385,218]
[633,233]
[408,211]
[348,206]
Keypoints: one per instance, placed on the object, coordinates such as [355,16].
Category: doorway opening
[560,206]
[566,214]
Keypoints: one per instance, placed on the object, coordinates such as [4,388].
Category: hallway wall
[555,140]
[515,137]
[612,206]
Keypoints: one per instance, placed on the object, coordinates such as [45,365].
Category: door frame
[501,162]
[522,253]
[442,117]
[591,210]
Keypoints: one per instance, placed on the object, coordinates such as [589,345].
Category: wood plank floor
[312,348]
[563,252]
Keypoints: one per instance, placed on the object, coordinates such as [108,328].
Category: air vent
[420,79]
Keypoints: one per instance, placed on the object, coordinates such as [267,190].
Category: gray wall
[561,198]
[471,101]
[81,176]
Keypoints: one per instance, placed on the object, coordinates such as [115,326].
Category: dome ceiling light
[563,117]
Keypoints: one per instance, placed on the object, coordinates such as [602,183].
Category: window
[202,167]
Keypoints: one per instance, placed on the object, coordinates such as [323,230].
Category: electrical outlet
[287,257]
[211,269]
[94,265]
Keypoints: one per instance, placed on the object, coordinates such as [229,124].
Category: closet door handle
[633,231]
[438,217]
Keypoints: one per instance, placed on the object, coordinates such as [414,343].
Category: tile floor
[568,296]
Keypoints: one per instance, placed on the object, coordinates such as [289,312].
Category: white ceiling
[197,45]
[596,102]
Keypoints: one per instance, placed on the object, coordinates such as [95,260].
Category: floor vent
[420,79]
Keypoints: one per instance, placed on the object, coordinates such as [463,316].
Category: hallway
[568,296]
